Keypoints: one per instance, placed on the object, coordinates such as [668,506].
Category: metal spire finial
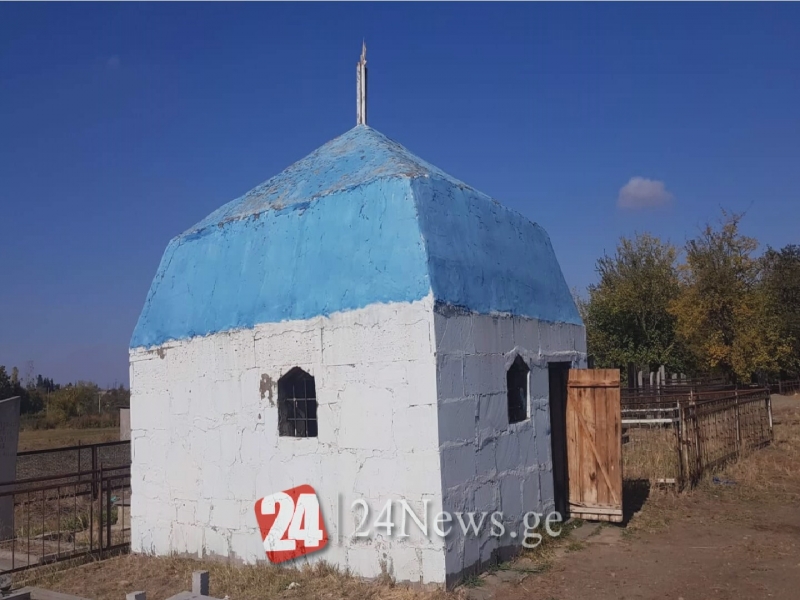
[361,86]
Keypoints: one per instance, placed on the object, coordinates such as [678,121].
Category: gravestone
[9,440]
[631,376]
[124,424]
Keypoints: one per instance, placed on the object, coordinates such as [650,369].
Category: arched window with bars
[297,404]
[517,386]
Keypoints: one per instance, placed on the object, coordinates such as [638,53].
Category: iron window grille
[297,405]
[517,386]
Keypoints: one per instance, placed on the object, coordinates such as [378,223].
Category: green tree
[73,400]
[721,312]
[5,384]
[11,386]
[626,315]
[116,398]
[781,291]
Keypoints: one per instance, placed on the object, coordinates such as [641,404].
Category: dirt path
[689,560]
[737,538]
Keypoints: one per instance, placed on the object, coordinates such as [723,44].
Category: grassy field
[39,439]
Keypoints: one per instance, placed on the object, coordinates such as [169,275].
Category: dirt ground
[703,553]
[39,439]
[736,536]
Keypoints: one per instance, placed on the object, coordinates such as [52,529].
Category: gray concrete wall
[124,424]
[9,440]
[488,464]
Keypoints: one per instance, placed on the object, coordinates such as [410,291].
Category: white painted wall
[487,464]
[205,444]
[411,404]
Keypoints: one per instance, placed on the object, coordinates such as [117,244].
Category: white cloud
[113,62]
[640,192]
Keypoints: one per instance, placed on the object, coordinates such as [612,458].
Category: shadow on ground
[634,494]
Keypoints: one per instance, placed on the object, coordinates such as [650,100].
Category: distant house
[363,323]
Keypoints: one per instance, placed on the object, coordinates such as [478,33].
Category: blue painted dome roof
[355,158]
[361,220]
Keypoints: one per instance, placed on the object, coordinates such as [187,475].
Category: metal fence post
[738,423]
[94,473]
[769,412]
[698,448]
[681,449]
[108,512]
[91,524]
[100,513]
[79,461]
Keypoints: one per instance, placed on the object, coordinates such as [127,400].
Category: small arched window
[517,385]
[297,404]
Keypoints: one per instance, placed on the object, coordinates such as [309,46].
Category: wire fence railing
[785,388]
[70,459]
[676,440]
[79,506]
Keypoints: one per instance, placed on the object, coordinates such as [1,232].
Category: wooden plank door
[594,444]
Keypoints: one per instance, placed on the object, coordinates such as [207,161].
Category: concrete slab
[43,594]
[508,576]
[526,565]
[478,593]
[584,531]
[10,560]
[191,596]
[607,535]
[124,424]
[9,440]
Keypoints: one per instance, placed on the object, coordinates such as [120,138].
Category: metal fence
[65,503]
[675,440]
[674,385]
[672,391]
[673,397]
[718,430]
[785,388]
[651,444]
[71,459]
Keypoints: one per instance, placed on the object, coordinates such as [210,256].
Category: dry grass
[163,577]
[742,490]
[40,439]
[658,511]
[543,555]
[651,453]
[59,526]
[770,475]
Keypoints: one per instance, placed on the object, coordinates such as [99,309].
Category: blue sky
[121,125]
